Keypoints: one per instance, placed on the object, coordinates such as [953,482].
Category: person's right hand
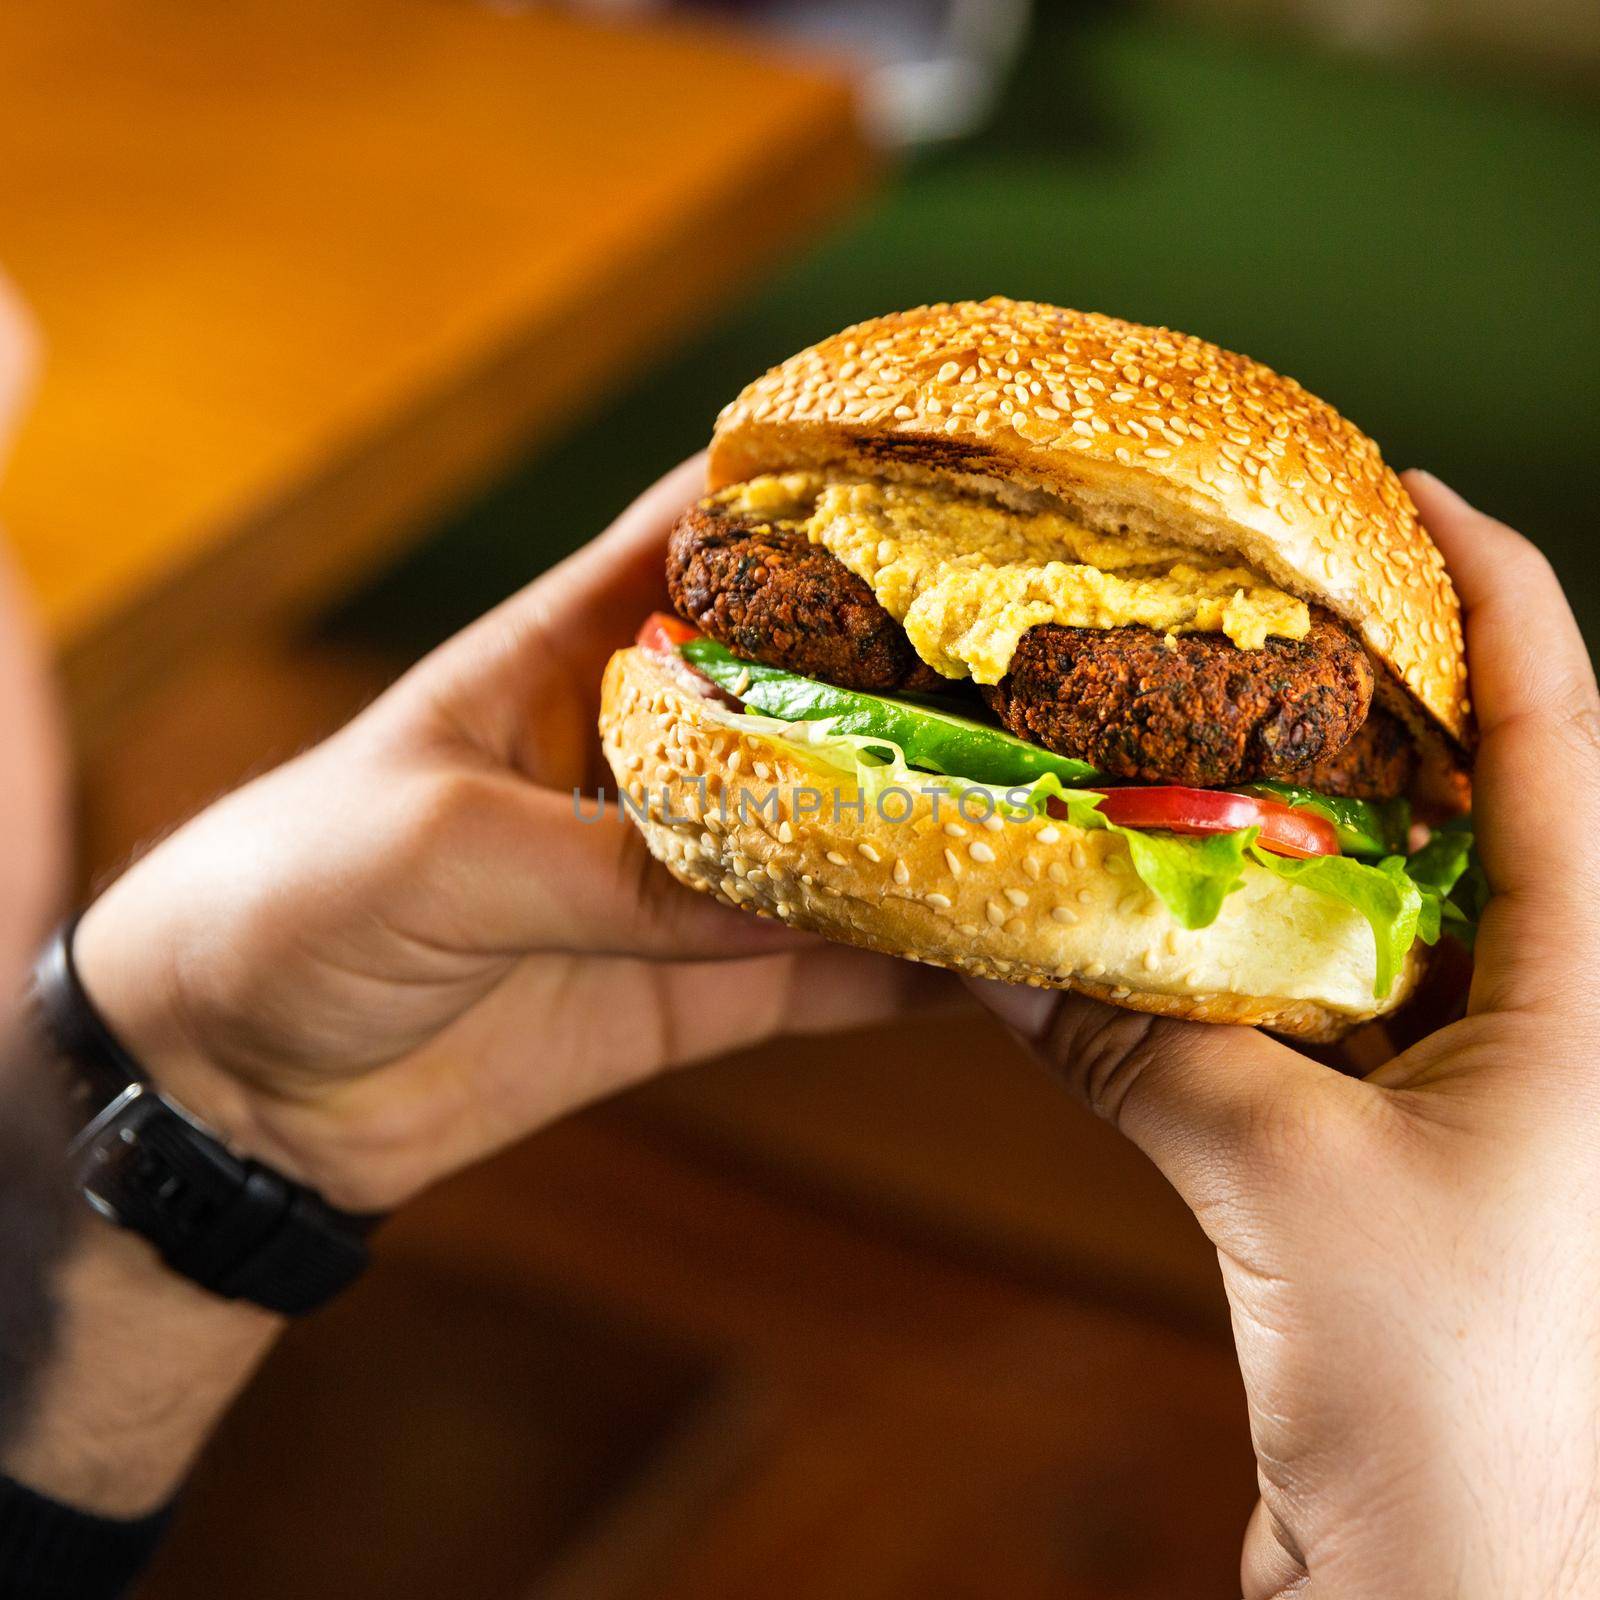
[391,957]
[404,949]
[1412,1260]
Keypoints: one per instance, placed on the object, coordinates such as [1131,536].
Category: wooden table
[309,271]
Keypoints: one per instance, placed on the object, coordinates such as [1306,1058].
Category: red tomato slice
[1284,830]
[663,633]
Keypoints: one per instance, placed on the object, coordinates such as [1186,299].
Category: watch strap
[231,1224]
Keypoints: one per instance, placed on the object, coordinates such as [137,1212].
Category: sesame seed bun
[1037,902]
[1135,427]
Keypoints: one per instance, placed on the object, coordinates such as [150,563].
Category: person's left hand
[404,949]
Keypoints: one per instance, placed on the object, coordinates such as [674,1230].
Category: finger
[1536,783]
[526,869]
[1268,1570]
[603,1025]
[1228,1115]
[822,989]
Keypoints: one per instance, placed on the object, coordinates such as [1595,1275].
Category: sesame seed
[785,833]
[902,873]
[995,823]
[940,902]
[1018,897]
[1084,897]
[838,858]
[1031,867]
[1064,914]
[995,912]
[1150,961]
[1048,834]
[1057,872]
[868,851]
[955,830]
[979,851]
[951,862]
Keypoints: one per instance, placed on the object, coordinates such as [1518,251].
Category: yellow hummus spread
[966,577]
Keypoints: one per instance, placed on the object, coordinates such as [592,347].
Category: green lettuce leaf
[1450,875]
[929,737]
[1192,876]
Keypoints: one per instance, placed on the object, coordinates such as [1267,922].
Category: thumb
[1226,1113]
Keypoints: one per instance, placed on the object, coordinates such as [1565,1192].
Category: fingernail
[1018,1005]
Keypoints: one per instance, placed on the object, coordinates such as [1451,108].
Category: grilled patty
[1196,710]
[769,594]
[1378,763]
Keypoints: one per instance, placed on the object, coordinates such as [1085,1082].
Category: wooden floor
[614,1363]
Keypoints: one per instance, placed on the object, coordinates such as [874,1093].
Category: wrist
[216,1018]
[143,1365]
[136,974]
[131,976]
[217,1215]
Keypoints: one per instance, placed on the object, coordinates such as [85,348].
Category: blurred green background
[1416,244]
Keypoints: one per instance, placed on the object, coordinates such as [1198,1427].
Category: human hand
[1412,1259]
[403,949]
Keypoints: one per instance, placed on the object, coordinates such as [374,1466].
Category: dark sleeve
[49,1551]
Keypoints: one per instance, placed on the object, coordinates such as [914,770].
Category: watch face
[144,1164]
[230,1225]
[114,1158]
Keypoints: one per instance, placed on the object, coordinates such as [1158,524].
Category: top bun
[1130,426]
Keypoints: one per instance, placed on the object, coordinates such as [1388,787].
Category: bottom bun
[752,820]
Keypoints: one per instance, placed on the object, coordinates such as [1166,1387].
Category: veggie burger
[1066,651]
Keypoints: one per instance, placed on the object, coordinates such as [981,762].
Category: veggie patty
[1193,710]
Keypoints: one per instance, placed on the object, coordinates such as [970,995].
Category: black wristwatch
[232,1225]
